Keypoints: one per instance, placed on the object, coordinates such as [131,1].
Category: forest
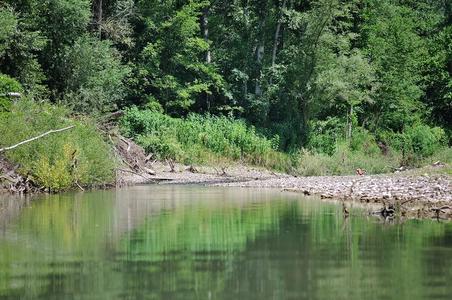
[313,87]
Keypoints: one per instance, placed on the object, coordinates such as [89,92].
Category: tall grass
[220,140]
[345,161]
[58,161]
[202,139]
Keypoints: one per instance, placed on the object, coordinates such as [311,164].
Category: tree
[19,43]
[398,54]
[172,64]
[61,22]
[94,76]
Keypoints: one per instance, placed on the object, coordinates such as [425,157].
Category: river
[191,242]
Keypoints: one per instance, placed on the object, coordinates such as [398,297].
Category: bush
[314,164]
[417,142]
[363,141]
[94,79]
[57,161]
[424,140]
[8,85]
[324,135]
[201,139]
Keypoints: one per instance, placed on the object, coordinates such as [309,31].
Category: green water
[172,242]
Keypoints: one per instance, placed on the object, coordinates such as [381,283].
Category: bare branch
[35,138]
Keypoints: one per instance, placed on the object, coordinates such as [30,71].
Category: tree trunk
[205,35]
[205,31]
[304,124]
[98,15]
[36,138]
[350,124]
[259,55]
[277,33]
[260,51]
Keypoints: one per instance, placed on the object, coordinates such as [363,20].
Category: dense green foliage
[201,139]
[319,74]
[60,161]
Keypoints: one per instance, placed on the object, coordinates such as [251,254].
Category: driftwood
[19,184]
[133,156]
[223,171]
[192,169]
[438,210]
[11,94]
[35,138]
[148,171]
[79,186]
[132,172]
[171,164]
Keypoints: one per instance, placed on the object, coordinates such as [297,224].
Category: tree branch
[35,138]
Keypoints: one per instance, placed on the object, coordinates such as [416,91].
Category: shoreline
[420,193]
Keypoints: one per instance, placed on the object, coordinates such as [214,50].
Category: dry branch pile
[11,181]
[133,158]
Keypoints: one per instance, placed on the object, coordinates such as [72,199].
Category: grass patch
[202,139]
[345,161]
[444,156]
[58,161]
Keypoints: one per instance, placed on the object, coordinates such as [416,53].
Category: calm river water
[186,242]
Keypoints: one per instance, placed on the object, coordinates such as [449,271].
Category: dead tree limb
[132,172]
[79,186]
[35,138]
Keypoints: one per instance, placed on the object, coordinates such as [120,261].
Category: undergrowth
[344,161]
[417,146]
[221,141]
[58,161]
[202,139]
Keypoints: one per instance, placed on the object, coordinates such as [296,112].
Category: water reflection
[167,242]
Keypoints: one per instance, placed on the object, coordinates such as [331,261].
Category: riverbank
[407,195]
[427,188]
[417,193]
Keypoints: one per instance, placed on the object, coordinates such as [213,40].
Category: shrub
[95,75]
[416,142]
[325,134]
[444,155]
[424,140]
[57,161]
[199,139]
[164,147]
[8,85]
[314,164]
[363,141]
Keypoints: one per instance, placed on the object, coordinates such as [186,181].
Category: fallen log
[132,172]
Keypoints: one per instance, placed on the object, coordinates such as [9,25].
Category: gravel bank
[406,193]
